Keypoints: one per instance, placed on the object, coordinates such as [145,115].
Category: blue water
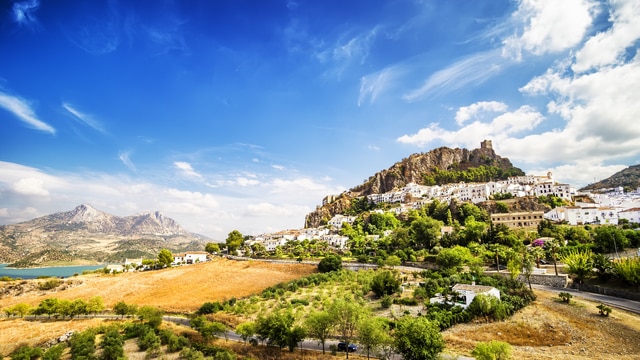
[57,271]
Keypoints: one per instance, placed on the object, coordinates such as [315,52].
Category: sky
[242,115]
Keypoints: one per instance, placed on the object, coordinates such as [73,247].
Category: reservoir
[57,271]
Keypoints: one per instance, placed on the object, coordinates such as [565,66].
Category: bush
[628,269]
[386,302]
[54,352]
[565,296]
[330,263]
[604,310]
[385,283]
[83,345]
[26,352]
[210,308]
[492,350]
[50,284]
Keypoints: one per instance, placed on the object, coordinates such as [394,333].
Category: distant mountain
[438,166]
[628,178]
[86,233]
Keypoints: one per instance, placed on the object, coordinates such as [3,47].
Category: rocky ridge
[628,178]
[414,169]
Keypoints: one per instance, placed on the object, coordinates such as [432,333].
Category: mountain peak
[86,213]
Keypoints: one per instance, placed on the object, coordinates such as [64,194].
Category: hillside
[438,166]
[628,178]
[93,235]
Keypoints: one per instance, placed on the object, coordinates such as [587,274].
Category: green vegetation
[330,263]
[492,350]
[483,173]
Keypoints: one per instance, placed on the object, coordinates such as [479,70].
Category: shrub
[386,302]
[628,269]
[50,284]
[492,350]
[26,352]
[604,310]
[210,308]
[565,296]
[54,352]
[83,345]
[385,283]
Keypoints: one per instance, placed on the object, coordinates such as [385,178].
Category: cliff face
[414,169]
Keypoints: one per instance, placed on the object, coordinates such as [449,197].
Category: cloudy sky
[244,114]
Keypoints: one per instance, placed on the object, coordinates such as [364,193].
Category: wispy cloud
[83,118]
[474,69]
[186,169]
[24,13]
[466,113]
[372,85]
[124,156]
[23,111]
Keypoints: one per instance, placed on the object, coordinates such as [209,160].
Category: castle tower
[486,144]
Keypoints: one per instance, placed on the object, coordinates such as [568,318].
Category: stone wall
[559,281]
[621,293]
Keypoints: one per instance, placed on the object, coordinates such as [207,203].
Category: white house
[190,257]
[466,293]
[632,215]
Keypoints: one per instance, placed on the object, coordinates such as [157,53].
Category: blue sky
[244,114]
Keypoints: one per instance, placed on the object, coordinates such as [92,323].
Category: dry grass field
[181,289]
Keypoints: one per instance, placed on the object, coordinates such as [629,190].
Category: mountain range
[628,178]
[86,233]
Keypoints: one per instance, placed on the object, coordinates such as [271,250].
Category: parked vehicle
[351,348]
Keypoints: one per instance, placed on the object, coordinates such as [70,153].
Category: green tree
[318,325]
[95,305]
[452,259]
[425,232]
[246,330]
[165,258]
[212,248]
[78,307]
[418,338]
[20,309]
[152,316]
[330,262]
[276,328]
[609,239]
[346,314]
[372,332]
[234,241]
[121,308]
[385,282]
[492,350]
[47,307]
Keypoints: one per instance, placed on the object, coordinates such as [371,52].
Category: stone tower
[486,144]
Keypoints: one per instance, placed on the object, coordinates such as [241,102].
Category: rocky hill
[438,166]
[628,178]
[90,234]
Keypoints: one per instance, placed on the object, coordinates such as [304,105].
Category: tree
[47,307]
[385,283]
[83,345]
[212,248]
[552,247]
[276,328]
[234,241]
[20,309]
[246,330]
[165,258]
[121,308]
[95,305]
[452,259]
[346,315]
[418,338]
[610,239]
[330,262]
[152,316]
[425,232]
[318,325]
[372,332]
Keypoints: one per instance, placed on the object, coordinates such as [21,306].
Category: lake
[57,271]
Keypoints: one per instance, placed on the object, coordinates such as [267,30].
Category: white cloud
[31,186]
[124,156]
[372,85]
[24,13]
[23,111]
[608,47]
[474,69]
[278,167]
[550,26]
[468,112]
[507,124]
[187,169]
[83,118]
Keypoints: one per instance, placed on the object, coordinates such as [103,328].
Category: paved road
[620,303]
